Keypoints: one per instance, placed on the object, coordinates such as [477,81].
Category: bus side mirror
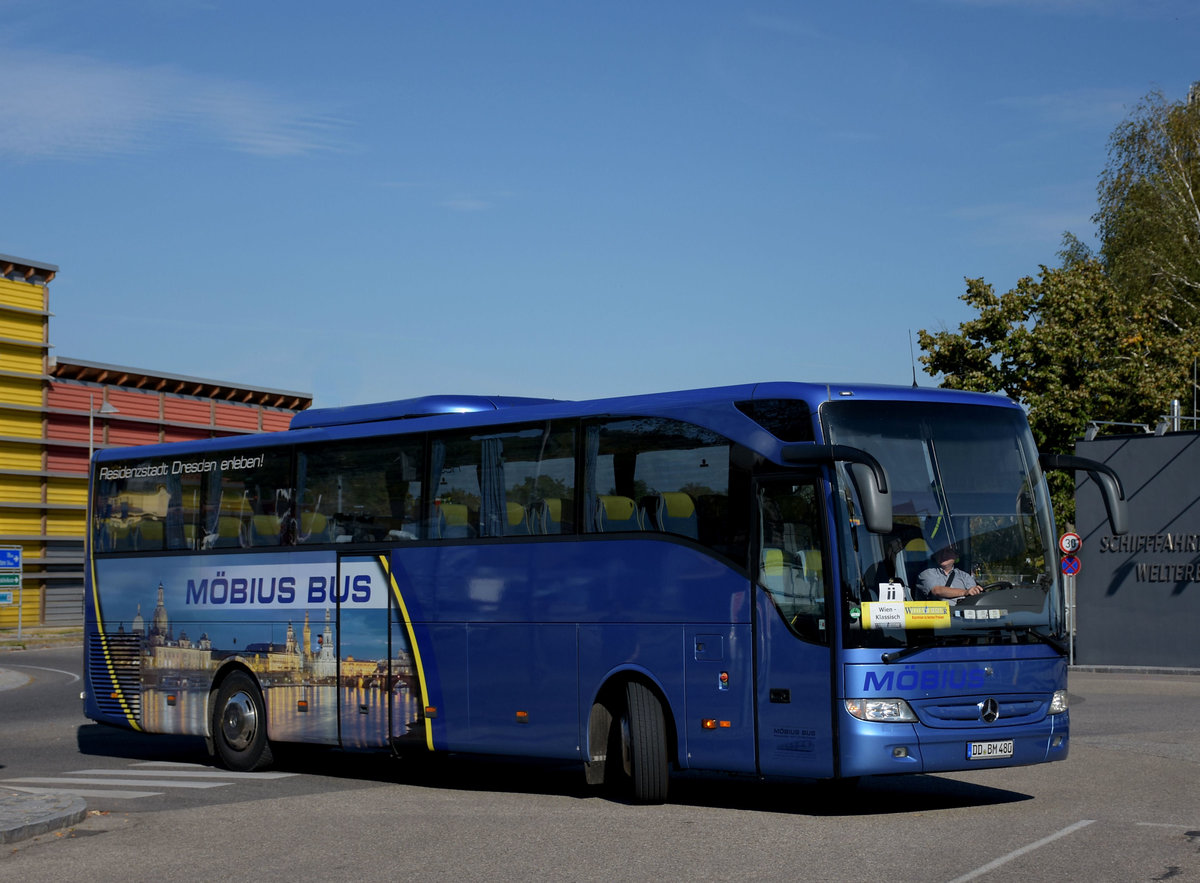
[876,503]
[866,473]
[1106,479]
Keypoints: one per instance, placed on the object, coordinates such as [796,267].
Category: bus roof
[713,407]
[813,393]
[405,409]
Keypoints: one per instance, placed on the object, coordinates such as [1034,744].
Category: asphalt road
[1123,807]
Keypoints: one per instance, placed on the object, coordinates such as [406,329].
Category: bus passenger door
[361,650]
[793,631]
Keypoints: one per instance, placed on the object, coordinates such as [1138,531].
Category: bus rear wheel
[642,734]
[239,724]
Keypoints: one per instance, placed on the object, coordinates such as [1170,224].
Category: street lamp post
[106,408]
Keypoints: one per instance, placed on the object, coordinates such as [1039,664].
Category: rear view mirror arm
[867,473]
[1106,479]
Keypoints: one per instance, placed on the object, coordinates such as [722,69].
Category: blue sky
[370,201]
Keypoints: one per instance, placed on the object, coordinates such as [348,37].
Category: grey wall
[1138,595]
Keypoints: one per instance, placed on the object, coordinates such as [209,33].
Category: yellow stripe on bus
[108,664]
[412,643]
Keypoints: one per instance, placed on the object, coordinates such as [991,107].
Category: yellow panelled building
[24,351]
[53,412]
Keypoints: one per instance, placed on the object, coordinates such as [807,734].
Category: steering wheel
[970,600]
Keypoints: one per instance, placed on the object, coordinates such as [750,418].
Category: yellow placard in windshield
[905,615]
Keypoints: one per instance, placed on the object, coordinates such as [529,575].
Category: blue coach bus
[720,579]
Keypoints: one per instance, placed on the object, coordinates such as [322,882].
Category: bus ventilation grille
[125,658]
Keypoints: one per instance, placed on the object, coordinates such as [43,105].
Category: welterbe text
[1139,545]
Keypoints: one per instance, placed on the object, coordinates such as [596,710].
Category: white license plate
[997,748]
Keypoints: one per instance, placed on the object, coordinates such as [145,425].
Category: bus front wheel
[643,739]
[240,724]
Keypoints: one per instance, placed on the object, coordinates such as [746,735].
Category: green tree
[1064,345]
[1112,336]
[1149,208]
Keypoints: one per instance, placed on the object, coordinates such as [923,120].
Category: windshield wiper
[889,658]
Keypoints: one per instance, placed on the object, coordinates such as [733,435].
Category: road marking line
[74,677]
[173,763]
[87,792]
[1004,859]
[172,776]
[157,783]
[198,773]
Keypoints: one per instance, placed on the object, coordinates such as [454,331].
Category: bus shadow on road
[462,772]
[870,796]
[873,795]
[101,741]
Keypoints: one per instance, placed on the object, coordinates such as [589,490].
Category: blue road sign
[1070,565]
[10,558]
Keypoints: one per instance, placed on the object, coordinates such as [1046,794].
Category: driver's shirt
[935,576]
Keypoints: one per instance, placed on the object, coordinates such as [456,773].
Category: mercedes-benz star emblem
[989,710]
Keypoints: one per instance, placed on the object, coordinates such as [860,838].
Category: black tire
[239,725]
[644,742]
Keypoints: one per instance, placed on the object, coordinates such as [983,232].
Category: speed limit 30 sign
[1069,543]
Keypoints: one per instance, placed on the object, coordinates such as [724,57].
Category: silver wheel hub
[239,721]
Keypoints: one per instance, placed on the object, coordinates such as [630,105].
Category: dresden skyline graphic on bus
[281,620]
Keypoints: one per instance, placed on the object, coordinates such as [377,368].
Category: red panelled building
[46,407]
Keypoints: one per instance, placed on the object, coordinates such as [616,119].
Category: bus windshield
[970,509]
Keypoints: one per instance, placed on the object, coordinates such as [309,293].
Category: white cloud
[71,106]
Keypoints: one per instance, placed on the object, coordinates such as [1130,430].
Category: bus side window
[134,512]
[539,480]
[657,474]
[183,513]
[455,482]
[359,491]
[515,481]
[227,514]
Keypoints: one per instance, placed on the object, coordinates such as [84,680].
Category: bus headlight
[1058,702]
[884,710]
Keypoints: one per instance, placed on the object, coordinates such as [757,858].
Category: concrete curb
[40,639]
[24,815]
[1135,670]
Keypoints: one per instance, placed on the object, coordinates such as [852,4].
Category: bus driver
[945,581]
